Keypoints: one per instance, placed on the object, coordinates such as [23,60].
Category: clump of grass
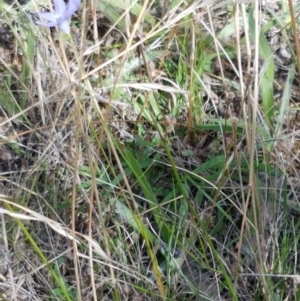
[145,145]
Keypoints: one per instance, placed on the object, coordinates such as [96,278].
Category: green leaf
[134,221]
[285,100]
[267,70]
[113,10]
[135,168]
[149,194]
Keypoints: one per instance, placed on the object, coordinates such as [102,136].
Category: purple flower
[61,15]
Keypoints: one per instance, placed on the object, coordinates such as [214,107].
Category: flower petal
[49,17]
[49,24]
[61,15]
[59,6]
[72,7]
[64,26]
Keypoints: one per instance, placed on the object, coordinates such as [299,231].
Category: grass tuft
[152,154]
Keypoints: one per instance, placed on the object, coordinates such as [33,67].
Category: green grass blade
[267,71]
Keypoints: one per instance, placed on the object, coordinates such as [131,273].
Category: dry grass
[151,154]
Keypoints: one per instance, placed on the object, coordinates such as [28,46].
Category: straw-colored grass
[151,154]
